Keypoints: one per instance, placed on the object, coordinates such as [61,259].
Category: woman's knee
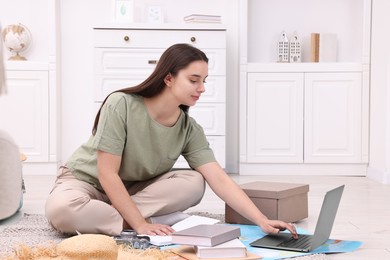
[195,185]
[193,178]
[61,211]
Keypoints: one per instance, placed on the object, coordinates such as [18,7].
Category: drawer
[215,90]
[143,61]
[161,39]
[217,61]
[126,62]
[211,116]
[217,144]
[104,85]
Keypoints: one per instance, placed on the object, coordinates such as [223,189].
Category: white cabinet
[275,117]
[125,56]
[29,113]
[333,118]
[304,118]
[24,111]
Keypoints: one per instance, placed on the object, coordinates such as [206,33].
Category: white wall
[380,93]
[77,20]
[265,26]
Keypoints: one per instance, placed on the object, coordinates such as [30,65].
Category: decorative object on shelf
[155,14]
[17,38]
[315,47]
[202,18]
[328,47]
[123,11]
[283,48]
[323,47]
[295,48]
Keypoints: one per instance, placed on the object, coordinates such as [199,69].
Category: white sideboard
[126,55]
[304,118]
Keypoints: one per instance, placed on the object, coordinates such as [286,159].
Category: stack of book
[323,47]
[202,18]
[211,241]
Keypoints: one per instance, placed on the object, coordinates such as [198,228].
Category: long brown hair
[174,59]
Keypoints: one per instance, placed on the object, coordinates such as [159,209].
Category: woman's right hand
[154,229]
[275,226]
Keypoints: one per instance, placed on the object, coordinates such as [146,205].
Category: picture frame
[123,11]
[154,14]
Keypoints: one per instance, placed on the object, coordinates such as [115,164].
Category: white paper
[186,223]
[328,47]
[235,249]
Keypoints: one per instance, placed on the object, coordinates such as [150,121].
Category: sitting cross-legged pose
[122,176]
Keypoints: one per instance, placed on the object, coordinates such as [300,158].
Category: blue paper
[250,233]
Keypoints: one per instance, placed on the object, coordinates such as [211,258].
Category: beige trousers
[77,205]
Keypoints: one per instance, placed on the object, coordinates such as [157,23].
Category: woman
[122,178]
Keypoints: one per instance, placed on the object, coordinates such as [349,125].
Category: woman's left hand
[154,229]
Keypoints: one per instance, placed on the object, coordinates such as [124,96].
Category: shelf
[286,108]
[304,67]
[263,21]
[162,26]
[26,65]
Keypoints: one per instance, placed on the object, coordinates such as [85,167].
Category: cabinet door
[24,113]
[333,115]
[275,117]
[211,116]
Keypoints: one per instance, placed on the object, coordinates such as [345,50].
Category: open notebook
[181,225]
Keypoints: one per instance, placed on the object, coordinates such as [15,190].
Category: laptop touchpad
[271,240]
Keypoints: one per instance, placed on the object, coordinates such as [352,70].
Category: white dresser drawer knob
[193,39]
[152,61]
[126,38]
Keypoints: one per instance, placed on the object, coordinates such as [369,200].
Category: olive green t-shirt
[148,149]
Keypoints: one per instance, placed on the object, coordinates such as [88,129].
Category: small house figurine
[283,48]
[295,48]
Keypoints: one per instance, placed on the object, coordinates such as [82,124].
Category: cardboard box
[282,201]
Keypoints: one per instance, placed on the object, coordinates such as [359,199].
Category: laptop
[307,243]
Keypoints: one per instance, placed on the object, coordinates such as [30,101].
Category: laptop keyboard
[303,241]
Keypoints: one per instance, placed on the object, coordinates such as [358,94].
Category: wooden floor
[364,212]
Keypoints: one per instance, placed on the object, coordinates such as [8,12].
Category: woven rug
[34,230]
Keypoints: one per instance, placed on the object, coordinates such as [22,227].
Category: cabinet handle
[126,38]
[152,61]
[193,39]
